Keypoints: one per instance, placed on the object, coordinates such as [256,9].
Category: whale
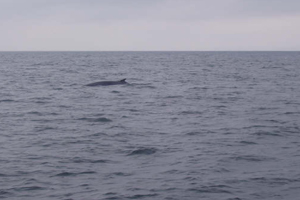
[106,83]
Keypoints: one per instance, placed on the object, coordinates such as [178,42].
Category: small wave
[74,174]
[35,113]
[57,88]
[29,188]
[116,174]
[114,91]
[194,133]
[172,171]
[42,98]
[114,198]
[98,134]
[211,189]
[165,189]
[173,97]
[42,129]
[252,158]
[267,133]
[42,114]
[41,102]
[7,100]
[199,88]
[147,86]
[140,196]
[110,193]
[134,110]
[3,192]
[274,181]
[247,142]
[189,112]
[143,151]
[291,113]
[100,119]
[82,160]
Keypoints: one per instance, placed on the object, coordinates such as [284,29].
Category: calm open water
[189,125]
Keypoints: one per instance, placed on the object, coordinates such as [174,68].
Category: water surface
[189,125]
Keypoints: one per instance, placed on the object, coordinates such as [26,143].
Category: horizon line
[149,50]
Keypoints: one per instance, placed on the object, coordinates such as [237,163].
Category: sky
[149,25]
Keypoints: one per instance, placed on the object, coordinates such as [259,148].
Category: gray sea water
[187,126]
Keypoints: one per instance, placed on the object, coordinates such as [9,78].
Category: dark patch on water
[64,174]
[143,151]
[267,133]
[3,175]
[194,133]
[42,102]
[29,188]
[173,97]
[118,174]
[116,92]
[100,119]
[191,112]
[84,160]
[98,134]
[248,142]
[275,181]
[36,113]
[4,193]
[212,189]
[141,196]
[252,158]
[121,174]
[57,88]
[7,100]
[45,128]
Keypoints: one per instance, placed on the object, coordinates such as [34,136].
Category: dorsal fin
[123,80]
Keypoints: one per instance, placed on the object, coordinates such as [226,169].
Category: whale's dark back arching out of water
[106,83]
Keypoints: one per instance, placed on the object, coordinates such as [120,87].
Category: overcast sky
[141,25]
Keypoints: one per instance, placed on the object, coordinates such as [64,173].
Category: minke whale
[105,83]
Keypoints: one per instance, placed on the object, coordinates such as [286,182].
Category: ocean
[187,126]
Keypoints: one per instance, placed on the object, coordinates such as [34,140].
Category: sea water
[187,126]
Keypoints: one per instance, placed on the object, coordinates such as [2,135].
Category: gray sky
[120,25]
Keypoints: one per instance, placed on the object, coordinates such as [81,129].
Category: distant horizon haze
[156,25]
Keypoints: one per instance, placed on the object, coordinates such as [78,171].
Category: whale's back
[105,83]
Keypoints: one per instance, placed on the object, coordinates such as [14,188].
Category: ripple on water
[7,100]
[4,193]
[99,119]
[84,160]
[141,196]
[143,151]
[98,134]
[29,188]
[118,174]
[247,142]
[267,133]
[193,133]
[275,180]
[194,126]
[114,91]
[63,174]
[252,158]
[211,189]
